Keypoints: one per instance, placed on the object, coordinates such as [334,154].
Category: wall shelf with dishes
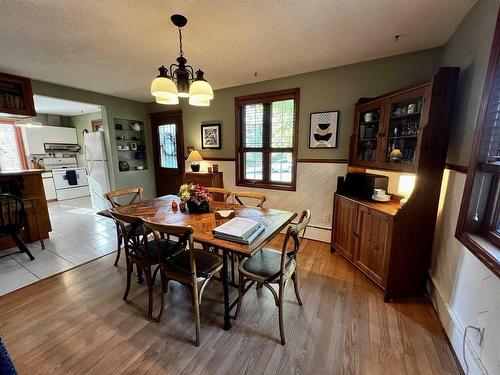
[130,141]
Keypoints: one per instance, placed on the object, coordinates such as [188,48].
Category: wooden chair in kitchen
[261,198]
[220,193]
[12,220]
[143,253]
[272,267]
[191,267]
[116,198]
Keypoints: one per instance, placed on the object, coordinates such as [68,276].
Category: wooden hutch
[405,131]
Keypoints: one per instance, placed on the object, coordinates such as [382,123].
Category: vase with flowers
[196,197]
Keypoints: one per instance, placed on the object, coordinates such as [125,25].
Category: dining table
[161,210]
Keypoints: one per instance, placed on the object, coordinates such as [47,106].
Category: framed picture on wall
[323,130]
[210,136]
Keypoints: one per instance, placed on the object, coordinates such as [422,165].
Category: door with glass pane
[168,149]
[368,132]
[404,120]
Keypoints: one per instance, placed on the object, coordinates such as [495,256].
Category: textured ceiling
[114,47]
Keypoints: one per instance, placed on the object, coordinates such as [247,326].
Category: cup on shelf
[368,116]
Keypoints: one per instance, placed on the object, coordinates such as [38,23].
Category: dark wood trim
[324,161]
[457,167]
[267,97]
[460,233]
[362,101]
[207,158]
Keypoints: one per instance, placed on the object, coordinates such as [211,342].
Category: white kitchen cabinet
[33,140]
[59,134]
[49,187]
[35,137]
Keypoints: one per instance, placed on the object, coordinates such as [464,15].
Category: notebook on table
[239,229]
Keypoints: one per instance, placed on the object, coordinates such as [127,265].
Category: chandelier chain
[180,42]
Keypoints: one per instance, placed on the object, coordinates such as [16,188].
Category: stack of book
[239,229]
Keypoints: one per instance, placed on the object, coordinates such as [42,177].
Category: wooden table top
[160,211]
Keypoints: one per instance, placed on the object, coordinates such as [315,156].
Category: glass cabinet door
[367,138]
[403,130]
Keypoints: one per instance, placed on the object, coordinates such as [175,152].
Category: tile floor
[78,236]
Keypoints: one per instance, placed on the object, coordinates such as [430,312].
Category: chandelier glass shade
[179,80]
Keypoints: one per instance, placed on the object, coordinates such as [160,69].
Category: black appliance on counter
[361,185]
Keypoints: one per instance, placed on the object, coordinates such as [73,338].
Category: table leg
[225,286]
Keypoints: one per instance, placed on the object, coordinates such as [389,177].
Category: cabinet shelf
[407,115]
[405,137]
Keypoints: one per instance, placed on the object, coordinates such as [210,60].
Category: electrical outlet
[326,218]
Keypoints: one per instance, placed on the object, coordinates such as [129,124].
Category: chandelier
[179,81]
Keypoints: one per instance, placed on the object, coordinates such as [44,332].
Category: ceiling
[55,106]
[115,47]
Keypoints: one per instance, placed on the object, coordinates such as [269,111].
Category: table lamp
[405,187]
[194,158]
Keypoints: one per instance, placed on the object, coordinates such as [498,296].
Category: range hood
[61,147]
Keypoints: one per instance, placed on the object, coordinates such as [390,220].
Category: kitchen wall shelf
[134,158]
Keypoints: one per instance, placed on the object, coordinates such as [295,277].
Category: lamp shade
[199,102]
[163,87]
[171,100]
[194,156]
[201,89]
[406,185]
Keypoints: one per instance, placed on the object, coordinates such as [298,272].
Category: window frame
[266,98]
[491,239]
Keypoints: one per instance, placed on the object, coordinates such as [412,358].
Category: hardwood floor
[77,323]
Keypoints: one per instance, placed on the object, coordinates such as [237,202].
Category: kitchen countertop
[21,172]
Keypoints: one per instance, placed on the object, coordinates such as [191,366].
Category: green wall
[332,89]
[84,122]
[469,48]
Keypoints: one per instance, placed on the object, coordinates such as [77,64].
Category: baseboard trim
[455,331]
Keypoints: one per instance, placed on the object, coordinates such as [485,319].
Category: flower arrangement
[197,197]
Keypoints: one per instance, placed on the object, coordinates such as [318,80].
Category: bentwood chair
[272,267]
[220,192]
[142,253]
[132,195]
[12,221]
[192,267]
[237,195]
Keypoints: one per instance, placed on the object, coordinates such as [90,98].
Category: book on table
[239,229]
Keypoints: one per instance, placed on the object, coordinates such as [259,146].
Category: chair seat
[263,265]
[168,248]
[206,263]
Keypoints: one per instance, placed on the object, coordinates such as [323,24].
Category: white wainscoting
[316,183]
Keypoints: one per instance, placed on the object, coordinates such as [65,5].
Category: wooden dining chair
[13,220]
[129,195]
[143,253]
[237,195]
[219,192]
[191,267]
[272,267]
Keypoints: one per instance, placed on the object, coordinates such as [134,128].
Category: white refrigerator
[97,168]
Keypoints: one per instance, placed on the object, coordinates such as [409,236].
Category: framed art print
[323,129]
[210,136]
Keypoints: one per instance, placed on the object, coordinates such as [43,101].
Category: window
[168,145]
[11,147]
[266,139]
[478,226]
